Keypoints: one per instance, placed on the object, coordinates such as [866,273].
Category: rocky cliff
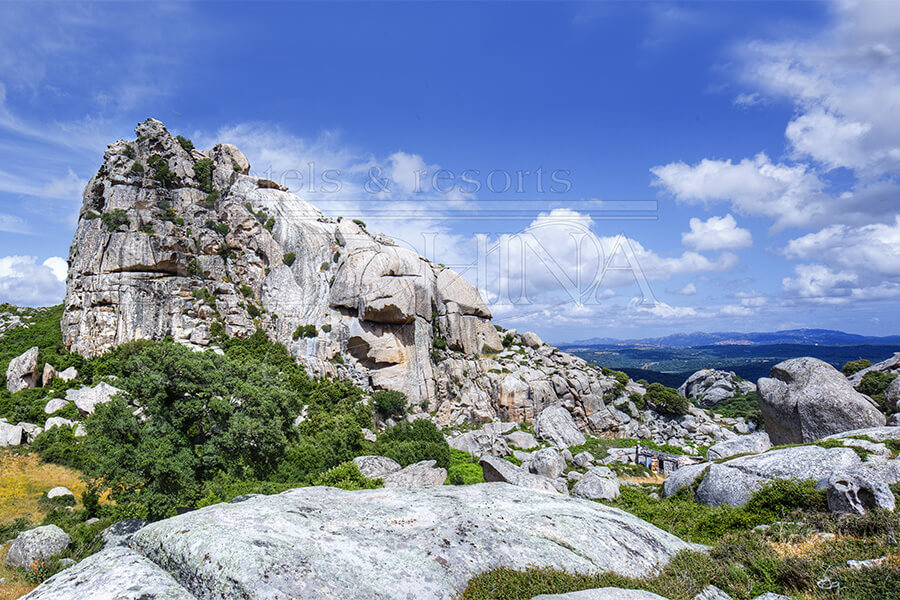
[174,241]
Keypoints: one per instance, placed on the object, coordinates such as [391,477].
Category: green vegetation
[289,258]
[146,228]
[220,228]
[464,469]
[129,151]
[389,403]
[740,406]
[246,291]
[194,268]
[360,223]
[203,169]
[621,377]
[305,331]
[211,201]
[439,343]
[185,143]
[855,366]
[409,443]
[114,219]
[137,167]
[874,384]
[790,556]
[161,172]
[666,400]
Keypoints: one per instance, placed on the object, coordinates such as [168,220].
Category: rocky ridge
[175,241]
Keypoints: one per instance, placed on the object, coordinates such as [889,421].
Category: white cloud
[873,249]
[820,284]
[24,282]
[716,233]
[747,100]
[791,195]
[13,224]
[58,266]
[688,290]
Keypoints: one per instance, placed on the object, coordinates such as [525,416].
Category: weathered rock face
[423,543]
[599,483]
[754,443]
[889,366]
[806,399]
[376,467]
[22,372]
[734,481]
[188,245]
[10,435]
[38,543]
[555,425]
[86,399]
[117,573]
[480,442]
[500,470]
[419,474]
[709,386]
[858,492]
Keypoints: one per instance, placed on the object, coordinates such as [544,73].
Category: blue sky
[721,165]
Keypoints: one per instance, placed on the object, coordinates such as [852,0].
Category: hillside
[825,337]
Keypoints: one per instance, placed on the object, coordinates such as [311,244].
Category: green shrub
[305,331]
[389,403]
[11,529]
[220,228]
[746,407]
[346,476]
[194,268]
[253,310]
[855,366]
[666,400]
[874,384]
[270,224]
[129,151]
[205,296]
[185,143]
[161,172]
[114,219]
[246,291]
[146,228]
[621,377]
[289,258]
[326,328]
[508,339]
[439,342]
[211,201]
[203,169]
[137,167]
[781,497]
[464,469]
[360,223]
[60,446]
[409,443]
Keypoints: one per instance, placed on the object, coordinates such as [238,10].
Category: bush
[855,366]
[781,497]
[161,172]
[409,443]
[185,143]
[194,268]
[270,224]
[305,331]
[439,343]
[211,200]
[666,400]
[137,167]
[289,258]
[620,377]
[203,169]
[114,219]
[359,222]
[246,291]
[874,384]
[60,446]
[129,151]
[220,228]
[389,403]
[346,476]
[464,469]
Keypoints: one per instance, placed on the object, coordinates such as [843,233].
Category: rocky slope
[179,242]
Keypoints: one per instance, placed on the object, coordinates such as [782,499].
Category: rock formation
[186,244]
[709,386]
[22,372]
[423,543]
[806,399]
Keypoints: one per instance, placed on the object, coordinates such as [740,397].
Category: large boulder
[10,435]
[892,395]
[599,483]
[556,425]
[55,404]
[733,482]
[419,474]
[121,532]
[857,492]
[710,386]
[117,573]
[683,477]
[39,543]
[22,372]
[877,434]
[87,398]
[501,470]
[806,399]
[376,467]
[755,443]
[547,463]
[479,443]
[521,439]
[422,543]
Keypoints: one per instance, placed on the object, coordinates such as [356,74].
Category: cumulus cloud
[716,233]
[25,282]
[791,195]
[688,290]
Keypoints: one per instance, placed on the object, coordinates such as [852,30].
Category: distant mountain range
[824,337]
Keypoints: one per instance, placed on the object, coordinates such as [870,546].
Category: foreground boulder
[806,399]
[734,481]
[376,467]
[121,532]
[22,372]
[858,492]
[116,573]
[313,543]
[417,475]
[10,435]
[35,544]
[481,442]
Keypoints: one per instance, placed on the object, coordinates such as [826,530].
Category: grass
[25,479]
